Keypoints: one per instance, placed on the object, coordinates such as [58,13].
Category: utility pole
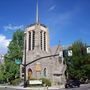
[25,84]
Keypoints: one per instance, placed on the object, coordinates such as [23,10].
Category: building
[1,59]
[37,45]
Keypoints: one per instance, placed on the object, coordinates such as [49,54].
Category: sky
[67,20]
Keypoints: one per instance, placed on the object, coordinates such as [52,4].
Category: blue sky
[67,20]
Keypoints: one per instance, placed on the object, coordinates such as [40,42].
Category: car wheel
[78,85]
[71,86]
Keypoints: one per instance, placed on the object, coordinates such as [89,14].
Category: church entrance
[29,73]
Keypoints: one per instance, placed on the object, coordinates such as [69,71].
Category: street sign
[69,52]
[35,82]
[88,49]
[18,61]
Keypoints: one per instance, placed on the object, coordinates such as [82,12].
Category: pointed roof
[37,13]
[37,17]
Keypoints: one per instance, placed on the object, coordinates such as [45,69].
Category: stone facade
[37,45]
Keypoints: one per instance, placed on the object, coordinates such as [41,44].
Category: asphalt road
[84,87]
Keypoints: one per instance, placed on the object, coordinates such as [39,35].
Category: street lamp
[25,84]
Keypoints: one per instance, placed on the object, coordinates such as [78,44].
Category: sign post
[25,83]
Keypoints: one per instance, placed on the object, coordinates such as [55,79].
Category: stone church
[38,45]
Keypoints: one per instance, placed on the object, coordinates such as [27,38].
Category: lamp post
[25,62]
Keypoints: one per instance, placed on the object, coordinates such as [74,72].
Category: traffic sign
[69,52]
[88,49]
[18,61]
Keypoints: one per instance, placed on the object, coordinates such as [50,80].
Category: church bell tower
[37,36]
[37,45]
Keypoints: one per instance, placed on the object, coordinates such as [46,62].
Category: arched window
[45,72]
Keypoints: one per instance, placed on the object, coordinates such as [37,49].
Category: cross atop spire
[37,13]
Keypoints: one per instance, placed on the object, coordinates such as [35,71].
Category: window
[29,40]
[41,39]
[44,41]
[45,72]
[33,40]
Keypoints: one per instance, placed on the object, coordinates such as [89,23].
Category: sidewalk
[88,85]
[38,88]
[32,88]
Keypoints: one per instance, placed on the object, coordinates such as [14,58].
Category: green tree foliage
[2,73]
[14,52]
[11,70]
[78,66]
[16,45]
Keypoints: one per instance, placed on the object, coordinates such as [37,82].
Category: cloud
[4,42]
[13,27]
[52,8]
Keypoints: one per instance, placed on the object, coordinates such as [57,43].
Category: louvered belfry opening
[31,43]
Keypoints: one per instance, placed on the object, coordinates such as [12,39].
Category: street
[82,87]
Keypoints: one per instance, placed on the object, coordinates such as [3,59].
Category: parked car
[72,83]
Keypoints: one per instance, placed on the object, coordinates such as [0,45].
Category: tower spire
[37,13]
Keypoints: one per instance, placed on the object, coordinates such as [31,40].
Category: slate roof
[55,49]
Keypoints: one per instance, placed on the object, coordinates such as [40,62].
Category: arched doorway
[29,73]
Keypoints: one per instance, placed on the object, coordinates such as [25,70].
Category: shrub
[33,79]
[46,81]
[16,81]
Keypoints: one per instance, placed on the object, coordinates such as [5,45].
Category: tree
[14,52]
[16,45]
[2,73]
[78,66]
